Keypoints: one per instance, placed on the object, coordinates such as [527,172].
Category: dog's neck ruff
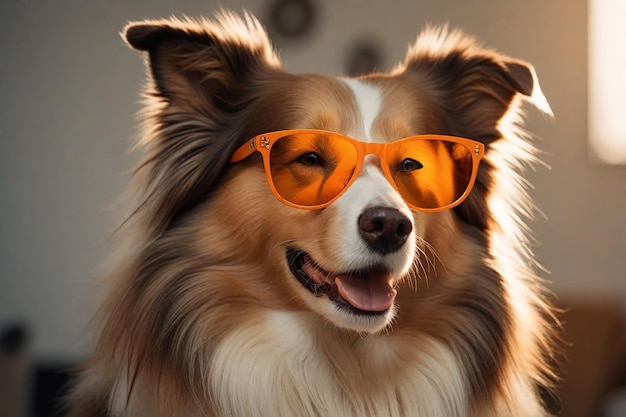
[430,383]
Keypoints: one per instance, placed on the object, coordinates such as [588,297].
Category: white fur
[368,99]
[286,365]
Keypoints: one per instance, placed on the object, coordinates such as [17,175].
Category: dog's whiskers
[424,264]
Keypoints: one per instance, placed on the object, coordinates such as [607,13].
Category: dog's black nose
[384,229]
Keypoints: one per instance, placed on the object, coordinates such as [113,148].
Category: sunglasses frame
[263,144]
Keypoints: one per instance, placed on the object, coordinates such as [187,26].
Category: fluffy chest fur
[290,364]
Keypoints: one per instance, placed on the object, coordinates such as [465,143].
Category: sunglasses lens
[310,169]
[430,174]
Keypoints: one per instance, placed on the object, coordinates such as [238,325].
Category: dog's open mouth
[368,291]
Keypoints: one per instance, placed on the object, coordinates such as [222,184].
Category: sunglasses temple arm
[244,150]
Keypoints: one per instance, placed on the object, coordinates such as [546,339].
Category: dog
[308,245]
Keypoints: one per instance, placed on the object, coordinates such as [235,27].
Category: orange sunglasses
[309,169]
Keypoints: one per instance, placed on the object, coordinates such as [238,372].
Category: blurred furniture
[594,370]
[14,371]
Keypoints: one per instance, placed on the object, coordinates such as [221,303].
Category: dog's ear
[474,87]
[200,65]
[204,78]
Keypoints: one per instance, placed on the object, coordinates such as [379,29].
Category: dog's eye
[311,159]
[409,165]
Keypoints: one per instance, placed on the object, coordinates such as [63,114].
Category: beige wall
[69,88]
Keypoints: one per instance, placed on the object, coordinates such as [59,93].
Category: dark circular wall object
[364,57]
[292,18]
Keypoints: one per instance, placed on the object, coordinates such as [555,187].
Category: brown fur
[205,244]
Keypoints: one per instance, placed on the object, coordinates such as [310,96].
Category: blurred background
[69,92]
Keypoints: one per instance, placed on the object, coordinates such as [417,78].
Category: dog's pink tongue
[372,292]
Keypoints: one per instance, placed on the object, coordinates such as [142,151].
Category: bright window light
[607,80]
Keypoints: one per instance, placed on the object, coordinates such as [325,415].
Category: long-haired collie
[309,245]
